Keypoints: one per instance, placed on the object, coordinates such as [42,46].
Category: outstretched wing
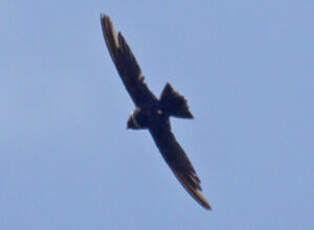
[178,161]
[126,65]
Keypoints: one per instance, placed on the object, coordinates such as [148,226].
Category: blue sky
[67,160]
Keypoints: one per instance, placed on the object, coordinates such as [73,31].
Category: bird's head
[138,119]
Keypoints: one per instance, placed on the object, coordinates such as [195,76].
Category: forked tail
[173,103]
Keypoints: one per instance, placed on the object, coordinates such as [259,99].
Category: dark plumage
[152,113]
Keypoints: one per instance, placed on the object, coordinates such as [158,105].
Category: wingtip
[199,197]
[207,206]
[202,200]
[103,16]
[103,19]
[193,190]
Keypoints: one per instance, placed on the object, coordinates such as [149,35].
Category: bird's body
[152,113]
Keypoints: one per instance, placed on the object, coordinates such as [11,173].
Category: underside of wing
[178,161]
[126,65]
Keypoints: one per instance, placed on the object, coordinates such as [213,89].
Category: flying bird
[152,113]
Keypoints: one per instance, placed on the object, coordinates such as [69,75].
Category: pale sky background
[67,160]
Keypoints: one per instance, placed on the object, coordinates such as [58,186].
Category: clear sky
[67,160]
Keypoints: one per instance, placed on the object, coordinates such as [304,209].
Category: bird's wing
[178,161]
[126,65]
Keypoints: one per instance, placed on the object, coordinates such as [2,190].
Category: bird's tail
[173,103]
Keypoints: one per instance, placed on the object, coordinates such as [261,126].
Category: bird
[152,113]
